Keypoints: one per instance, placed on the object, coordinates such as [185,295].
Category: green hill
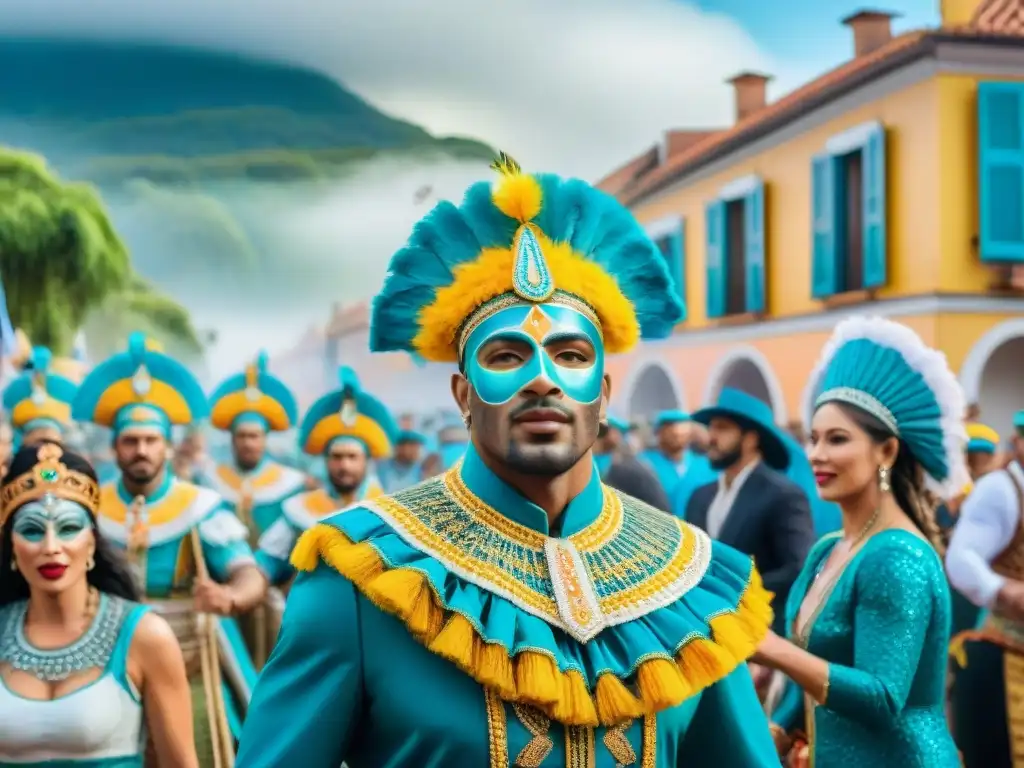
[168,114]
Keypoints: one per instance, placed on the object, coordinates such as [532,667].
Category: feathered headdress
[525,239]
[348,412]
[885,369]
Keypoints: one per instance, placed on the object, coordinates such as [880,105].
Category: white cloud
[574,86]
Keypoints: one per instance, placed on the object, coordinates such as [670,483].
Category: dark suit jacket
[629,475]
[770,520]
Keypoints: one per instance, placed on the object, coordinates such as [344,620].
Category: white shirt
[721,505]
[989,519]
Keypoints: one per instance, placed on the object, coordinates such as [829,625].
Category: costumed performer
[868,617]
[86,672]
[38,401]
[180,538]
[350,429]
[556,621]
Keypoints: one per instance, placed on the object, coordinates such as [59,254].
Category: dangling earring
[883,480]
[466,419]
[90,563]
[14,564]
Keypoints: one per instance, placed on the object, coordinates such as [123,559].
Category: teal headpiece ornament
[540,250]
[666,418]
[38,398]
[752,414]
[348,413]
[140,388]
[884,368]
[254,396]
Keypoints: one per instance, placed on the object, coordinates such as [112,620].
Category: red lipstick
[52,571]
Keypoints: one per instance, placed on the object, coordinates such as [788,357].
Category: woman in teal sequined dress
[869,615]
[85,670]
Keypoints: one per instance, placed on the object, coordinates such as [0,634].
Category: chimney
[751,90]
[871,30]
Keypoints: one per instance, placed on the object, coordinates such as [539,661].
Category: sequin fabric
[884,631]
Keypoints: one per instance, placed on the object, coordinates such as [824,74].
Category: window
[735,250]
[1001,172]
[669,236]
[849,226]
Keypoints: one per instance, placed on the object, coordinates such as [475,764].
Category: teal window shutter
[824,256]
[678,263]
[715,261]
[876,254]
[1001,171]
[753,234]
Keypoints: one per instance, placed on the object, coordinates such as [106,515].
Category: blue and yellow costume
[38,401]
[349,415]
[882,622]
[179,531]
[615,637]
[254,397]
[395,475]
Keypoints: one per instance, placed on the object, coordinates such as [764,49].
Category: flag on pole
[8,344]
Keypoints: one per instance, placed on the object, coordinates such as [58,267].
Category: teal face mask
[536,326]
[66,518]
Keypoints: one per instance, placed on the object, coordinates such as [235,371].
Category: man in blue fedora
[752,506]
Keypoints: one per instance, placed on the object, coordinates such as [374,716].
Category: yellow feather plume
[505,165]
[517,194]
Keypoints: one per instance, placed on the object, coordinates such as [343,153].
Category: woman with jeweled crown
[868,618]
[85,670]
[515,610]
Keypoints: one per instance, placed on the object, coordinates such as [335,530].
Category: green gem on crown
[49,475]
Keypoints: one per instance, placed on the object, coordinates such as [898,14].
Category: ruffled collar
[628,612]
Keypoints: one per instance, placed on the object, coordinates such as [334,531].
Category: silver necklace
[91,651]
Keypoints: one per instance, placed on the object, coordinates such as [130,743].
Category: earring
[883,480]
[14,564]
[90,563]
[466,419]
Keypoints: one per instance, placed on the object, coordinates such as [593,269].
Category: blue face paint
[538,327]
[66,518]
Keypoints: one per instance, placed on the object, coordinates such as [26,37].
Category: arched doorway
[748,370]
[653,388]
[1000,394]
[990,374]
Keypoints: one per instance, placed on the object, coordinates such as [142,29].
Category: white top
[721,505]
[101,720]
[989,519]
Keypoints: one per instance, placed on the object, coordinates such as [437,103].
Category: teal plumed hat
[348,412]
[526,239]
[884,368]
[751,414]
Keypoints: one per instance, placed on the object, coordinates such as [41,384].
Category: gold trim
[540,744]
[579,747]
[497,729]
[649,759]
[49,476]
[1013,681]
[510,299]
[617,743]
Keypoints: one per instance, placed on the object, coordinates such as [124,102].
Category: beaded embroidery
[531,278]
[863,400]
[91,651]
[632,560]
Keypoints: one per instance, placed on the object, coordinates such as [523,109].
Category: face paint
[536,326]
[66,518]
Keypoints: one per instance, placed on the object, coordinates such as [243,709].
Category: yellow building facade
[893,185]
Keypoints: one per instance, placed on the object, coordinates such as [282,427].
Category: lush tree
[62,263]
[59,253]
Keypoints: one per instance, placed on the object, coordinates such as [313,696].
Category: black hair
[111,573]
[906,477]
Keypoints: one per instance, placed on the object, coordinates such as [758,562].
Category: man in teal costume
[516,611]
[38,401]
[188,551]
[249,405]
[679,468]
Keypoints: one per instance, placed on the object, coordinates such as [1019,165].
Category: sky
[575,87]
